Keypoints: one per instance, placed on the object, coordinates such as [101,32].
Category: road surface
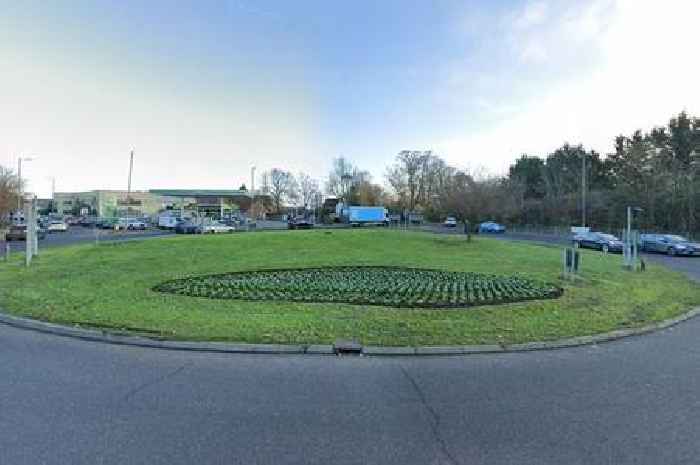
[65,401]
[633,401]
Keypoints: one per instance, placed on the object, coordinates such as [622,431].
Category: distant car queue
[670,244]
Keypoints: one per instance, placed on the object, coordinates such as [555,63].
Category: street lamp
[252,190]
[19,179]
[583,190]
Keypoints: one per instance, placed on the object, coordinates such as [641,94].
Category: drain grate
[343,347]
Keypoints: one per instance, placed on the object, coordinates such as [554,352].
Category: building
[108,203]
[118,203]
[205,202]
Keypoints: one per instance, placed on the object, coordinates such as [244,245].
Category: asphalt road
[77,235]
[64,401]
[688,265]
[634,401]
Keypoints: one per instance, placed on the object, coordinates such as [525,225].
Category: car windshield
[607,237]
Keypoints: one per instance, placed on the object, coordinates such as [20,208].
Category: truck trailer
[359,215]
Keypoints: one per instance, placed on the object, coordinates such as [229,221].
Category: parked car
[217,227]
[57,226]
[18,232]
[599,241]
[299,223]
[491,227]
[670,244]
[87,222]
[450,222]
[131,224]
[107,223]
[186,227]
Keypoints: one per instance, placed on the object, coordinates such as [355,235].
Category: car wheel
[671,252]
[604,248]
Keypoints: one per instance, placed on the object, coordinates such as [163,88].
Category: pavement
[632,401]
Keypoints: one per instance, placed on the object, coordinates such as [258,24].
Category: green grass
[109,286]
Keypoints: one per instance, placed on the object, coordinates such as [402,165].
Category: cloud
[533,14]
[639,72]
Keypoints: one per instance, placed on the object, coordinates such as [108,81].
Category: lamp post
[694,164]
[19,179]
[252,190]
[583,190]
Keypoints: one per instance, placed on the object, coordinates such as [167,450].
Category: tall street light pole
[19,179]
[252,190]
[53,193]
[128,189]
[583,190]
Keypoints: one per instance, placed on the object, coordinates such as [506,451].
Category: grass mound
[365,285]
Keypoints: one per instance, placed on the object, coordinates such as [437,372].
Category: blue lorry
[358,215]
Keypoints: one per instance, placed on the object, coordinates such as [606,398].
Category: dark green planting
[365,285]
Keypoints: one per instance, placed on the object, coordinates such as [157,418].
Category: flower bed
[366,285]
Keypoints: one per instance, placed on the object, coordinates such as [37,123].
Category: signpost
[28,232]
[631,240]
[572,260]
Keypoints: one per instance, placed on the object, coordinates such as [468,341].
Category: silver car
[670,244]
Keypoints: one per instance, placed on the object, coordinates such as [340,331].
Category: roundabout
[376,287]
[81,402]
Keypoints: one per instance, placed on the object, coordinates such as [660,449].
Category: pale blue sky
[204,90]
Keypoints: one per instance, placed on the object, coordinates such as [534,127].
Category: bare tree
[308,189]
[282,187]
[409,166]
[9,191]
[397,181]
[370,194]
[341,173]
[345,179]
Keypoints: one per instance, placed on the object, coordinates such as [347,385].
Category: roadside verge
[322,349]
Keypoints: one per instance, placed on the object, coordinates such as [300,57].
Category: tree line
[654,171]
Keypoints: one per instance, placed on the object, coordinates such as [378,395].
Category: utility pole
[131,168]
[53,194]
[30,225]
[252,190]
[20,159]
[19,183]
[35,227]
[128,189]
[583,190]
